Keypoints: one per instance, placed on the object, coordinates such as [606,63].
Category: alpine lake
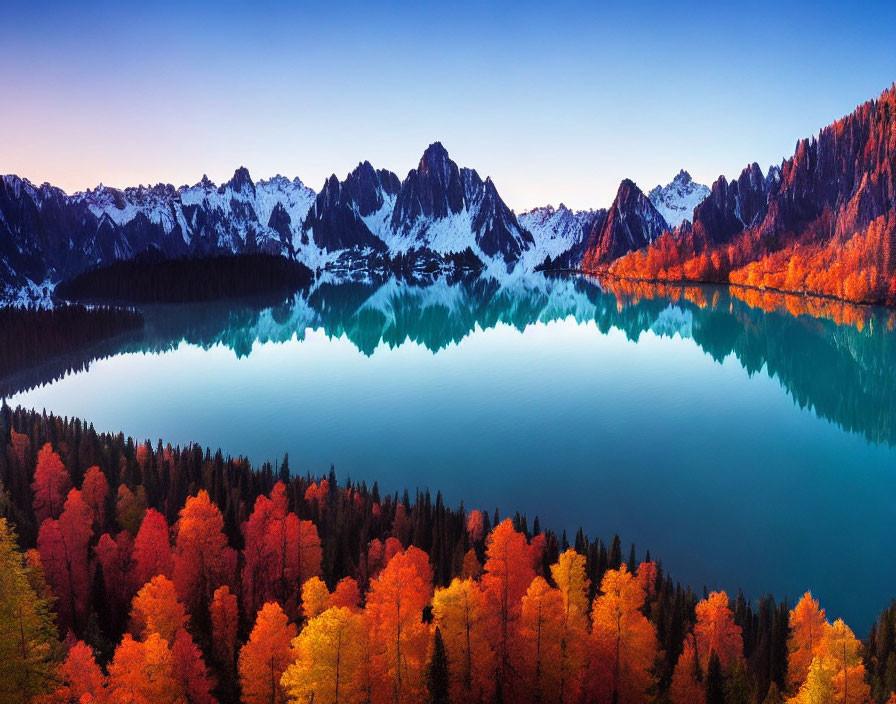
[746,438]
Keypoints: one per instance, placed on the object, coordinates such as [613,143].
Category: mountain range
[440,217]
[822,222]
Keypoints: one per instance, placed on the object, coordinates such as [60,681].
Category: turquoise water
[744,448]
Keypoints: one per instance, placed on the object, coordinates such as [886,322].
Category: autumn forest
[133,573]
[821,224]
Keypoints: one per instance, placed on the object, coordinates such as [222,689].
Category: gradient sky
[556,101]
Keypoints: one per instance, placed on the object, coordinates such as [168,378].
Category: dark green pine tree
[615,560]
[715,682]
[437,672]
[284,469]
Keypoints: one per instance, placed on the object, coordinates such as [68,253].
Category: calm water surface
[745,444]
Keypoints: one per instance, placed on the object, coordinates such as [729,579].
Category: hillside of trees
[133,573]
[151,278]
[824,223]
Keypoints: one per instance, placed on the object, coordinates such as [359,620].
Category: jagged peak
[628,190]
[435,154]
[682,177]
[362,168]
[241,181]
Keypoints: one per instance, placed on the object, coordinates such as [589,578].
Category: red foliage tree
[190,671]
[346,594]
[116,558]
[508,574]
[50,486]
[63,546]
[225,621]
[281,553]
[152,549]
[95,490]
[81,678]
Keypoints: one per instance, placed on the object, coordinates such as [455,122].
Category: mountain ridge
[822,222]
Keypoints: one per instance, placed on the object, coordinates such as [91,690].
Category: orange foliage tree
[714,632]
[265,657]
[808,627]
[156,609]
[625,644]
[203,560]
[143,672]
[508,574]
[538,667]
[400,637]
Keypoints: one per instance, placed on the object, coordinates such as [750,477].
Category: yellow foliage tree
[459,612]
[315,597]
[569,576]
[328,657]
[27,634]
[625,644]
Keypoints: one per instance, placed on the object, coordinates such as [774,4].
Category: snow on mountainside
[676,200]
[48,235]
[440,217]
[556,230]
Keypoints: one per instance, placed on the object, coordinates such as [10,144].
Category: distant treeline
[152,279]
[30,337]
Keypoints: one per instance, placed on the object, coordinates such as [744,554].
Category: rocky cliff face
[445,209]
[343,212]
[632,222]
[848,170]
[733,206]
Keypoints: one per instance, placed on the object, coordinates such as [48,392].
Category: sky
[557,102]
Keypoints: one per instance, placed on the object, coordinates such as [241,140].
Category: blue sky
[557,102]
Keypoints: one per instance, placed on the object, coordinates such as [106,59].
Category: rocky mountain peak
[631,223]
[241,182]
[676,200]
[435,157]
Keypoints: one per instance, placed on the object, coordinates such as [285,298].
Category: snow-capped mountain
[557,231]
[676,200]
[47,235]
[440,217]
